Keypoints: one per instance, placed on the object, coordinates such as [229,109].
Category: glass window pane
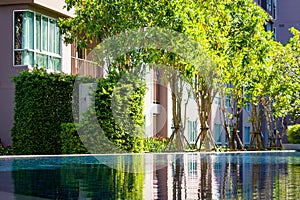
[192,131]
[57,40]
[54,63]
[28,30]
[52,36]
[24,58]
[246,135]
[228,103]
[44,34]
[27,58]
[24,29]
[18,57]
[18,30]
[218,133]
[38,32]
[41,60]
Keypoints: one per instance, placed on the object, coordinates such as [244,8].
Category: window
[37,40]
[228,103]
[247,135]
[275,9]
[217,100]
[218,133]
[268,26]
[269,5]
[192,131]
[192,168]
[247,107]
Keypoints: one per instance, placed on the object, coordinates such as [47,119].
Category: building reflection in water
[154,176]
[224,176]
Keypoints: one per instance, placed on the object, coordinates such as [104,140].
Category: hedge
[70,140]
[44,124]
[119,112]
[43,101]
[293,134]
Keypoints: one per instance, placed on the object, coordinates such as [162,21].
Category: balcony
[86,68]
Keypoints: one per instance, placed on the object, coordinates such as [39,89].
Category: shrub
[6,150]
[124,127]
[116,124]
[70,141]
[42,102]
[293,134]
[155,144]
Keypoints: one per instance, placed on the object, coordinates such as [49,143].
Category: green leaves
[42,102]
[119,104]
[293,134]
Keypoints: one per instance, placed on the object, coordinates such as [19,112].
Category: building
[287,16]
[32,22]
[29,37]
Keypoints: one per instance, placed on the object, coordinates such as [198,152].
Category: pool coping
[178,153]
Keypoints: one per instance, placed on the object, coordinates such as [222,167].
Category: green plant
[119,109]
[42,102]
[155,144]
[70,140]
[293,134]
[6,150]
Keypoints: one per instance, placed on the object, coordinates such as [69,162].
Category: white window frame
[34,50]
[192,131]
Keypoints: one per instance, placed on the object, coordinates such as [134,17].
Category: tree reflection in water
[229,176]
[156,176]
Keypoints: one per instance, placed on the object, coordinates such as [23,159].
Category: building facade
[29,37]
[287,16]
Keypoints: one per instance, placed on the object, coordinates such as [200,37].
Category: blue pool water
[267,175]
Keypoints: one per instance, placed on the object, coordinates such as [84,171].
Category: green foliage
[293,134]
[155,144]
[70,140]
[6,150]
[43,115]
[42,102]
[259,69]
[65,181]
[288,83]
[119,109]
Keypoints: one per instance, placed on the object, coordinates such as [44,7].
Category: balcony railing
[86,68]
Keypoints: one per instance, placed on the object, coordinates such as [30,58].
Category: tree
[97,20]
[231,32]
[236,38]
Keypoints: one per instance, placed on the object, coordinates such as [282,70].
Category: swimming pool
[254,175]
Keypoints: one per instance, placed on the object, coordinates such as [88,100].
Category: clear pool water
[268,175]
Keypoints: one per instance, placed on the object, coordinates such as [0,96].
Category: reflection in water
[229,176]
[92,180]
[165,176]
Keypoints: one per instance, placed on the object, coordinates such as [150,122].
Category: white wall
[66,58]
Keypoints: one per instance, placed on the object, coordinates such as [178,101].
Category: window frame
[36,51]
[219,125]
[192,132]
[248,136]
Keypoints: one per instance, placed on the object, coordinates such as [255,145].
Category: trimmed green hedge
[44,124]
[43,101]
[293,134]
[119,104]
[70,141]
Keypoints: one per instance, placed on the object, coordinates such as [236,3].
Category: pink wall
[7,71]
